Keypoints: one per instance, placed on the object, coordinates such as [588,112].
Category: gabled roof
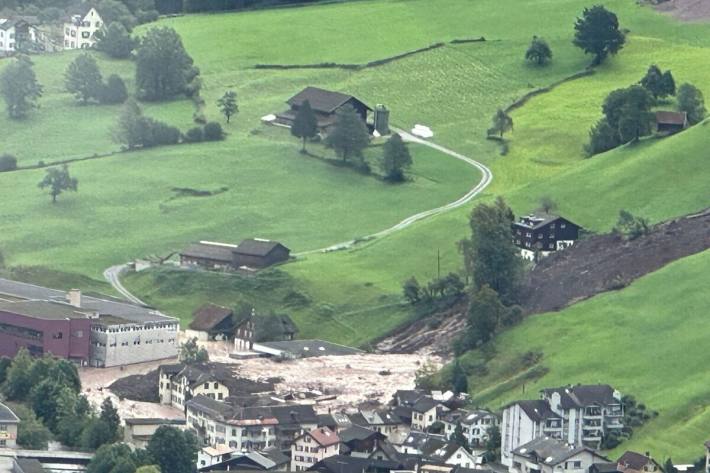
[350,464]
[549,451]
[539,220]
[321,100]
[666,117]
[209,316]
[583,395]
[257,247]
[634,461]
[7,416]
[295,414]
[307,348]
[323,436]
[424,441]
[407,396]
[356,432]
[221,252]
[537,410]
[472,417]
[445,452]
[424,404]
[153,421]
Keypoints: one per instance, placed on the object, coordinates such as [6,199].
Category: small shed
[671,122]
[259,253]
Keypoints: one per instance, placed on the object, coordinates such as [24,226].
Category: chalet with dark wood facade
[212,322]
[252,253]
[324,103]
[541,234]
[671,122]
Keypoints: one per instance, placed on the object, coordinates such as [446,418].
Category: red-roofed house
[312,447]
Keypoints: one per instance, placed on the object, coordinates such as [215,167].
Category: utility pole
[438,263]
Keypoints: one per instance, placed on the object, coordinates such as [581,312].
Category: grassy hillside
[647,340]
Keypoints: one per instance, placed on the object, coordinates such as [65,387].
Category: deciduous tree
[174,450]
[502,123]
[190,352]
[349,137]
[305,124]
[691,101]
[163,67]
[58,180]
[83,78]
[109,415]
[597,32]
[115,41]
[395,159]
[459,381]
[19,87]
[228,104]
[538,52]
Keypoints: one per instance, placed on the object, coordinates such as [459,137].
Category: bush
[213,132]
[8,163]
[194,135]
[160,134]
[114,91]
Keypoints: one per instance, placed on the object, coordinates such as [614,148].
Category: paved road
[113,273]
[486,178]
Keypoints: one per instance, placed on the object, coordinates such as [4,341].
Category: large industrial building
[89,330]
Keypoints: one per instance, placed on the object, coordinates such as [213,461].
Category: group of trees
[49,389]
[83,79]
[19,87]
[449,287]
[116,41]
[191,353]
[128,12]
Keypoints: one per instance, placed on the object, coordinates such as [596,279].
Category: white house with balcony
[80,30]
[548,455]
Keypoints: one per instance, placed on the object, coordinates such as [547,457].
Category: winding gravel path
[112,274]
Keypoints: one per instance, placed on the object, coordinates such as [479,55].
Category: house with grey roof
[251,254]
[9,424]
[549,455]
[523,422]
[324,103]
[424,413]
[538,235]
[475,425]
[293,349]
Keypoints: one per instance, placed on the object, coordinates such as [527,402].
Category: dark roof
[7,24]
[350,464]
[471,417]
[322,100]
[257,247]
[538,410]
[604,467]
[407,396]
[424,441]
[403,412]
[424,404]
[153,421]
[207,404]
[212,251]
[444,452]
[356,432]
[309,348]
[7,416]
[29,465]
[209,316]
[45,310]
[323,436]
[549,451]
[269,459]
[633,460]
[584,395]
[671,118]
[172,368]
[295,414]
[539,220]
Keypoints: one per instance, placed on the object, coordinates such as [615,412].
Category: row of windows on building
[135,342]
[9,35]
[134,328]
[301,448]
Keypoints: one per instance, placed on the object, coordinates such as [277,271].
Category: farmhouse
[632,462]
[671,122]
[272,327]
[547,455]
[212,322]
[253,253]
[101,332]
[19,34]
[542,234]
[325,104]
[80,30]
[9,423]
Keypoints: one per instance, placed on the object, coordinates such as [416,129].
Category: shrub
[8,163]
[161,133]
[114,91]
[213,132]
[194,135]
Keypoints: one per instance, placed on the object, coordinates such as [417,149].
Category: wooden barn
[212,322]
[325,104]
[671,122]
[258,253]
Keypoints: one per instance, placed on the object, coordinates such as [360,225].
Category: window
[85,35]
[216,385]
[3,443]
[58,336]
[207,385]
[562,225]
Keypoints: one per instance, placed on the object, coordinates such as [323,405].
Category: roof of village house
[7,416]
[220,410]
[445,452]
[257,247]
[28,465]
[407,396]
[221,252]
[323,436]
[634,461]
[424,441]
[357,432]
[538,220]
[424,404]
[268,459]
[153,421]
[209,316]
[104,306]
[350,464]
[321,100]
[472,417]
[666,117]
[295,414]
[172,368]
[584,395]
[549,451]
[537,410]
[309,348]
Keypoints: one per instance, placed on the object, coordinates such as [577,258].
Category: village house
[335,421]
[668,122]
[360,441]
[211,322]
[80,30]
[100,332]
[324,103]
[294,349]
[548,455]
[178,383]
[424,413]
[250,254]
[139,430]
[271,459]
[538,235]
[474,425]
[350,464]
[578,415]
[421,443]
[20,34]
[210,456]
[632,462]
[273,327]
[9,423]
[312,447]
[455,455]
[384,421]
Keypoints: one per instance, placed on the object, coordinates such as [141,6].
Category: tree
[115,41]
[490,255]
[114,91]
[631,226]
[44,399]
[668,466]
[116,11]
[213,132]
[628,112]
[493,441]
[194,135]
[173,450]
[691,101]
[305,124]
[8,163]
[538,52]
[502,123]
[395,159]
[83,78]
[18,381]
[484,312]
[668,83]
[108,456]
[412,290]
[602,137]
[163,67]
[58,180]
[458,437]
[72,417]
[459,380]
[659,84]
[109,415]
[191,353]
[95,434]
[31,434]
[349,137]
[5,363]
[129,129]
[598,33]
[19,87]
[228,104]
[547,204]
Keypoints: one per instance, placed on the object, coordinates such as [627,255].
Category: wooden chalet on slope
[324,103]
[212,322]
[671,122]
[542,234]
[252,253]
